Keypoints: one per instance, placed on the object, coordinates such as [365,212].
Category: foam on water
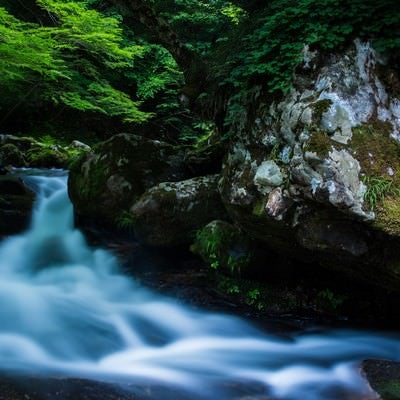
[66,308]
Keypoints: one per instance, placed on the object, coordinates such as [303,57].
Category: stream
[67,309]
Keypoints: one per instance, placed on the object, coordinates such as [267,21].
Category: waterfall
[67,309]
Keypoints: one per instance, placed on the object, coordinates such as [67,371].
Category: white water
[65,308]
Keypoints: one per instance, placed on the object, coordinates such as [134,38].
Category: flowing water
[66,308]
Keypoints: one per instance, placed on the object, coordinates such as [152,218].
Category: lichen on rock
[339,130]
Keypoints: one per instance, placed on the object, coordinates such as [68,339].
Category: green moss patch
[375,149]
[379,157]
[388,216]
[319,108]
[319,143]
[389,390]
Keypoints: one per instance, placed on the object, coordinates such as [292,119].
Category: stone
[11,155]
[384,378]
[76,144]
[268,176]
[303,174]
[107,181]
[170,213]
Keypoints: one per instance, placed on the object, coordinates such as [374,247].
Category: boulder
[170,213]
[317,174]
[16,204]
[107,181]
[11,155]
[384,377]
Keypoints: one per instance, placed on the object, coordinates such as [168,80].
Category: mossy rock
[170,213]
[11,155]
[224,247]
[384,377]
[107,181]
[42,156]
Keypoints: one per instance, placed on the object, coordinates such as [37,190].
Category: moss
[319,143]
[47,157]
[319,108]
[389,390]
[388,216]
[375,149]
[259,208]
[379,157]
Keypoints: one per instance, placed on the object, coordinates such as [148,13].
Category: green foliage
[67,62]
[377,189]
[272,42]
[200,23]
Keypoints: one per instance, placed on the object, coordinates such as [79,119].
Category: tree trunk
[194,68]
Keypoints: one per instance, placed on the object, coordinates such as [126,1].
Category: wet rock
[304,177]
[384,377]
[107,181]
[170,213]
[16,204]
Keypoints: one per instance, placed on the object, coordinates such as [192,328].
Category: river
[67,309]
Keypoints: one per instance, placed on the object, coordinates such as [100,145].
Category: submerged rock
[16,204]
[170,213]
[107,181]
[317,175]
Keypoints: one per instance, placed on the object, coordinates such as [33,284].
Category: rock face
[318,174]
[170,213]
[110,179]
[16,203]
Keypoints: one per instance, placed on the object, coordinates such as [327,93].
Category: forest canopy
[97,58]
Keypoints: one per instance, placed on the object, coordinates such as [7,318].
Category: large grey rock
[170,213]
[299,177]
[108,180]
